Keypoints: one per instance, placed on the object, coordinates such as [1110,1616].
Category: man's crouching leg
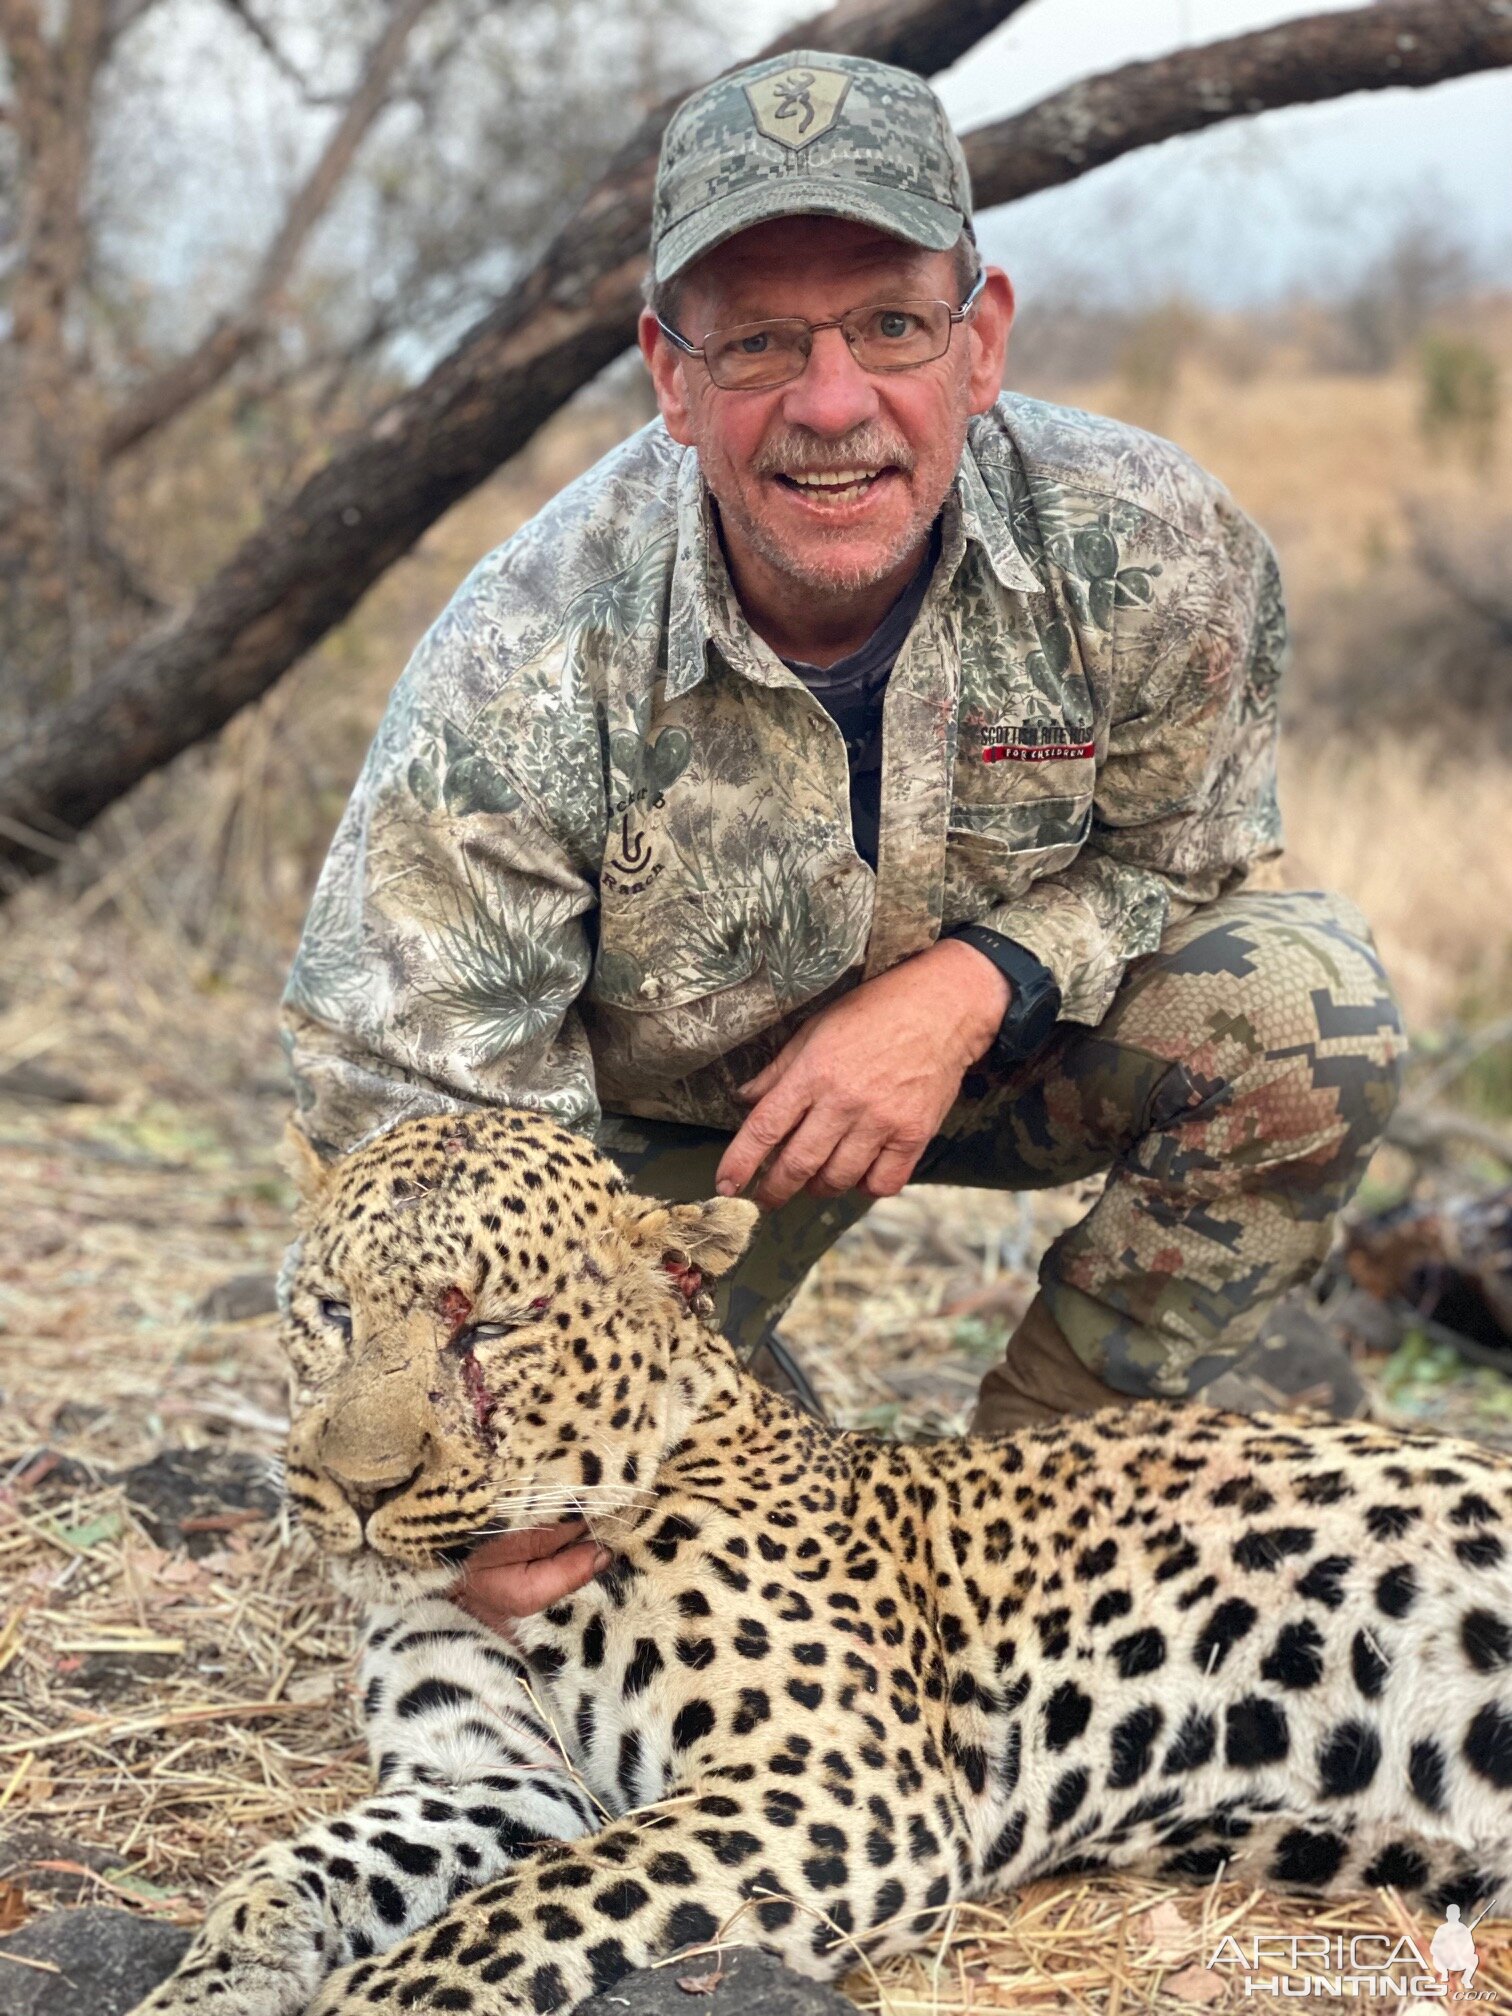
[1242,1077]
[667,1159]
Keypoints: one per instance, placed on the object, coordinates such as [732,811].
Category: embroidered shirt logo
[1036,752]
[1014,742]
[798,105]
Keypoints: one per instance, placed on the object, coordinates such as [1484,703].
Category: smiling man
[854,779]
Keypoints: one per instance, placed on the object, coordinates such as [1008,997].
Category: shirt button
[650,986]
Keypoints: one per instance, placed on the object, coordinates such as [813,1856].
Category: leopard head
[488,1332]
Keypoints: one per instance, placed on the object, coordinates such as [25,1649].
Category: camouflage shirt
[600,852]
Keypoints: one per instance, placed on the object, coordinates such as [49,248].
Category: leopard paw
[260,1952]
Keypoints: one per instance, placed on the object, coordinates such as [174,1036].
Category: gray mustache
[805,453]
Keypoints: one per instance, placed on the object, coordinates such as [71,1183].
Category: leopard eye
[338,1313]
[480,1333]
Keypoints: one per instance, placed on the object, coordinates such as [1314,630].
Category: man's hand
[853,1100]
[516,1574]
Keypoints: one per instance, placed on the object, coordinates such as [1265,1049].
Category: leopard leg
[469,1780]
[791,1872]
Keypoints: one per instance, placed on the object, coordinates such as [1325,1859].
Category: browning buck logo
[798,105]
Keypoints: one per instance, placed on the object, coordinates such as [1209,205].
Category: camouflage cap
[808,134]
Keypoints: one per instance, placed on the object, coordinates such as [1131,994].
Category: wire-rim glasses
[884,336]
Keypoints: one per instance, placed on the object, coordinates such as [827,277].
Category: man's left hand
[854,1098]
[516,1574]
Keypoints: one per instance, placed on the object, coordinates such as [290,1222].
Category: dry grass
[1423,843]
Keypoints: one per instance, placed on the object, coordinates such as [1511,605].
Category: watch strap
[1035,998]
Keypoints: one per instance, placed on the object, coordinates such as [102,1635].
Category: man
[853,779]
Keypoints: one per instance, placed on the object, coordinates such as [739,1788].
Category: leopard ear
[716,1233]
[310,1176]
[712,1236]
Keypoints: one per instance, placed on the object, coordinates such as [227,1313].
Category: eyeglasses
[890,336]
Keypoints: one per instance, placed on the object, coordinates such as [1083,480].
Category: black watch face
[1028,1024]
[1040,1019]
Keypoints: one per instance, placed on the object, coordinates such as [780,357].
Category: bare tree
[573,312]
[49,482]
[189,377]
[422,163]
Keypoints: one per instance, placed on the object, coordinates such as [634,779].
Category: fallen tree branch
[1395,43]
[315,556]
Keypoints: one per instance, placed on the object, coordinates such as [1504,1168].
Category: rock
[235,1300]
[1373,1326]
[52,1475]
[108,1960]
[196,1484]
[111,1959]
[751,1984]
[29,1843]
[1297,1362]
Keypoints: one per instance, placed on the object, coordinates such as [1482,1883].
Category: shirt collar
[704,607]
[983,522]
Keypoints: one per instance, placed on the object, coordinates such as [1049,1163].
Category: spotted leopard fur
[830,1683]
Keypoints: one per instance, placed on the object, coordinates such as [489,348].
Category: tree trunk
[314,557]
[47,538]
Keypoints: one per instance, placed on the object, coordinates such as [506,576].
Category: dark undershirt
[852,691]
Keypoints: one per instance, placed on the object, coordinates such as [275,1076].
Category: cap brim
[917,220]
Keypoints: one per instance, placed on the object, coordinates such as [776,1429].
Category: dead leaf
[1163,1933]
[14,1909]
[1195,1984]
[700,1984]
[171,1578]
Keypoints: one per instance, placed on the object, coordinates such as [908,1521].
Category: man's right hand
[517,1574]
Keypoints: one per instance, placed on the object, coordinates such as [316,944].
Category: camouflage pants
[1234,1092]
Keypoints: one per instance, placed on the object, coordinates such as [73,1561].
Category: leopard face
[487,1332]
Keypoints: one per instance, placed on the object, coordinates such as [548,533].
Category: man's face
[899,433]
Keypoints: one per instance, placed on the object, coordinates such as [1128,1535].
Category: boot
[1040,1379]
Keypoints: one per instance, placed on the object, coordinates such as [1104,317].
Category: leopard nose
[367,1491]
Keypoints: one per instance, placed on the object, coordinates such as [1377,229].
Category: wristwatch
[1035,1003]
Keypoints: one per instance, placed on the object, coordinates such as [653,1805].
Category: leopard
[830,1684]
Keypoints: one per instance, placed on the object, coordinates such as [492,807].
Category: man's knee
[1281,1030]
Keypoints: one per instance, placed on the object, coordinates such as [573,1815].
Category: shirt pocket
[1023,781]
[993,861]
[696,973]
[677,983]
